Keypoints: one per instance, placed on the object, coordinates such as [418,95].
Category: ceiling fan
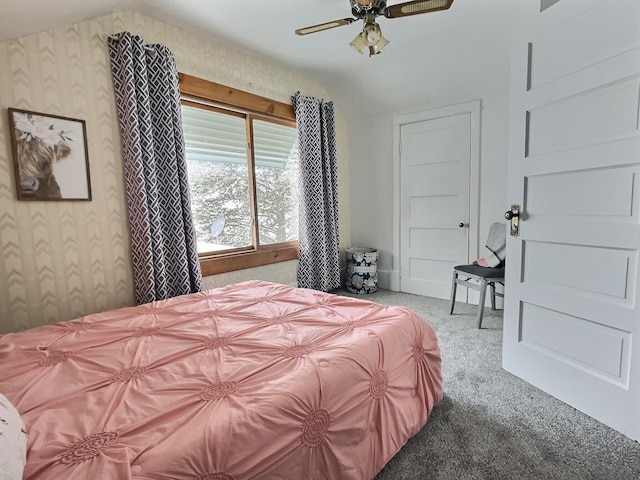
[368,11]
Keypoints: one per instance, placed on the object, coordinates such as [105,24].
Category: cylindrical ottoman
[362,270]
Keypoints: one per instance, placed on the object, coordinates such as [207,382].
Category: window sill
[214,265]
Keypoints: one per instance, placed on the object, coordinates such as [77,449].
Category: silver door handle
[513,216]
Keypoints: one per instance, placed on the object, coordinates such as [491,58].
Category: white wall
[61,260]
[475,67]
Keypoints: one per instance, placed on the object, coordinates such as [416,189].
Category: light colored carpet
[491,424]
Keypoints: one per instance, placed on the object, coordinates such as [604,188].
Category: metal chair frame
[481,287]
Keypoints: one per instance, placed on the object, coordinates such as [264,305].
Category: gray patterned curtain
[319,264]
[163,241]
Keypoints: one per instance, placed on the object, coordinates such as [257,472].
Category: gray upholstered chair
[482,277]
[478,277]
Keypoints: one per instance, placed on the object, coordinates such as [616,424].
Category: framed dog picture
[50,156]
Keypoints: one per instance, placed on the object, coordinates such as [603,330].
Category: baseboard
[389,280]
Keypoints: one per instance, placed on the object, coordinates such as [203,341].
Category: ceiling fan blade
[324,26]
[416,7]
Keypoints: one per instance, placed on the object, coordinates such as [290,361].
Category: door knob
[513,216]
[461,225]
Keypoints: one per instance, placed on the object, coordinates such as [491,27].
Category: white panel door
[572,320]
[435,162]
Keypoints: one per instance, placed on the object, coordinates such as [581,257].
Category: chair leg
[493,295]
[483,294]
[454,286]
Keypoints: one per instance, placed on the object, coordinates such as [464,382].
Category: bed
[251,381]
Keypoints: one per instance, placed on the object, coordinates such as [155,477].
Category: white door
[435,185]
[572,320]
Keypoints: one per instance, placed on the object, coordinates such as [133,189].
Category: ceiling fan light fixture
[377,48]
[371,37]
[368,10]
[371,34]
[358,44]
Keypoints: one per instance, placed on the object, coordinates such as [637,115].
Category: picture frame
[50,156]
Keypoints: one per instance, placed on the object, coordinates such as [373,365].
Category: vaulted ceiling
[423,48]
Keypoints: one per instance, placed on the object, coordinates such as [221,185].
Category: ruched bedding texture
[251,381]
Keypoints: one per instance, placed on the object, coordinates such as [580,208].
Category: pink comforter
[251,381]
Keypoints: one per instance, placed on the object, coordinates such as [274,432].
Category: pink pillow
[13,441]
[483,262]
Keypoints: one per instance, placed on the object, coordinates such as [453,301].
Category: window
[242,166]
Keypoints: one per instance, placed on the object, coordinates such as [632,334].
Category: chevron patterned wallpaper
[61,260]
